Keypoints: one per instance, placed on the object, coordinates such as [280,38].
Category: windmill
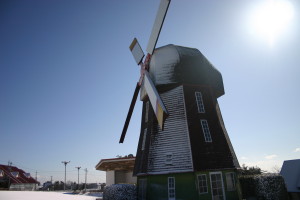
[184,151]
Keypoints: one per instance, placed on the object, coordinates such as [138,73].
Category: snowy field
[31,195]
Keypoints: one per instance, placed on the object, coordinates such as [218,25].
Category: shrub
[270,187]
[248,186]
[120,192]
[263,187]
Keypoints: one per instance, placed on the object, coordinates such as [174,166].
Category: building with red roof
[13,178]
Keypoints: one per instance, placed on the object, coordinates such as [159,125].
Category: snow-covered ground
[31,195]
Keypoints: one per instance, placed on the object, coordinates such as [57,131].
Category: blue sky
[67,78]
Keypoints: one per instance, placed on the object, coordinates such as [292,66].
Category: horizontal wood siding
[173,140]
[207,155]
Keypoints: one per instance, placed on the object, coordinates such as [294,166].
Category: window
[146,112]
[205,130]
[171,188]
[230,181]
[1,173]
[169,159]
[144,139]
[202,183]
[217,188]
[27,175]
[150,162]
[200,103]
[15,174]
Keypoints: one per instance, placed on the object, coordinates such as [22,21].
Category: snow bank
[32,195]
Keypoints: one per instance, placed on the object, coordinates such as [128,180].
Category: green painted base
[190,186]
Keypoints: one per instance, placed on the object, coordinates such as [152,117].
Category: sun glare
[271,17]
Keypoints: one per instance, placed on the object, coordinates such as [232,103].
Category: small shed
[118,170]
[291,173]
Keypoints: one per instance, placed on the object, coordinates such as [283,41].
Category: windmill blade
[156,102]
[135,94]
[159,20]
[136,51]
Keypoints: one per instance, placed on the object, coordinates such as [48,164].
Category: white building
[118,170]
[291,173]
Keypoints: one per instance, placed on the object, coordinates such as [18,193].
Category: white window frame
[211,186]
[171,188]
[205,130]
[146,111]
[150,163]
[27,175]
[202,181]
[144,139]
[230,181]
[199,102]
[169,159]
[15,174]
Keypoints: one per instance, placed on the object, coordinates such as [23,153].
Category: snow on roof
[173,64]
[291,173]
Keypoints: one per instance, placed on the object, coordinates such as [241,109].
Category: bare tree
[276,169]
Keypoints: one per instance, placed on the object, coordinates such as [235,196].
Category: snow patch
[34,195]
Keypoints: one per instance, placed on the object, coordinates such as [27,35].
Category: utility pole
[52,187]
[9,167]
[78,175]
[35,179]
[85,178]
[65,162]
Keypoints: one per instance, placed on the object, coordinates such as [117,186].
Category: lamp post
[65,162]
[78,175]
[9,167]
[85,178]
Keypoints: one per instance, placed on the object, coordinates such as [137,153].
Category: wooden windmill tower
[184,151]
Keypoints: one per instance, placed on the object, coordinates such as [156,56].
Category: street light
[85,178]
[65,162]
[78,175]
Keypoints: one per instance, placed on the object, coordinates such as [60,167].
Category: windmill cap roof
[172,64]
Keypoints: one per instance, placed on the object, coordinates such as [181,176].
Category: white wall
[22,186]
[110,178]
[130,178]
